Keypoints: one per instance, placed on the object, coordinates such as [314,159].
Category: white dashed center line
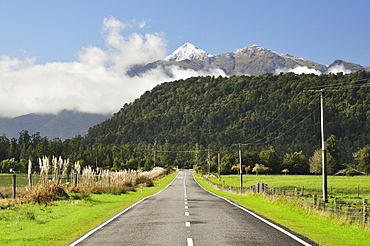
[190,242]
[187,224]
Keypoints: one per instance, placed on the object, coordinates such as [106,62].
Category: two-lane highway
[186,214]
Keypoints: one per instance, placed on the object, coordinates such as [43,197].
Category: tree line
[16,153]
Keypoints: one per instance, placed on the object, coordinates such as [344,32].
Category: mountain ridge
[251,60]
[63,125]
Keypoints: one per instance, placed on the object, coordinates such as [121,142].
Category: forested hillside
[275,117]
[268,111]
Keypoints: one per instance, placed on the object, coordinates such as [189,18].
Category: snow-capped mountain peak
[188,51]
[253,48]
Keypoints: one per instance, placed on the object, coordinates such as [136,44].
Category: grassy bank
[324,230]
[64,221]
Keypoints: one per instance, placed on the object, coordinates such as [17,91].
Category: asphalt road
[186,214]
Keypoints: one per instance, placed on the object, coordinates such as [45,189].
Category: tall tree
[296,163]
[4,147]
[270,159]
[363,158]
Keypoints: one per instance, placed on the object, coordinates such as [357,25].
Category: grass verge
[324,230]
[63,221]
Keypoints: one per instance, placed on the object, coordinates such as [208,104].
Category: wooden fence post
[314,201]
[365,213]
[14,186]
[358,190]
[335,205]
[30,181]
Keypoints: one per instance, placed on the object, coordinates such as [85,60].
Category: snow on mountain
[256,48]
[188,51]
[250,48]
[251,60]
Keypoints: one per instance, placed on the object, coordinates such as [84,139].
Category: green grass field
[322,229]
[63,221]
[338,186]
[6,179]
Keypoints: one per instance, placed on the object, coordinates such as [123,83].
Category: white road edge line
[74,243]
[190,241]
[257,216]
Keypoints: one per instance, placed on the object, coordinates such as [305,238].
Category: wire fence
[354,210]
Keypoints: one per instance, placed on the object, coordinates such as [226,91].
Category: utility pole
[323,147]
[155,143]
[209,162]
[219,167]
[240,164]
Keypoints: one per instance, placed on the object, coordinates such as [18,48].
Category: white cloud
[338,69]
[306,70]
[298,70]
[96,83]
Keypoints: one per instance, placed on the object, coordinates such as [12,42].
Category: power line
[343,85]
[258,141]
[331,88]
[282,112]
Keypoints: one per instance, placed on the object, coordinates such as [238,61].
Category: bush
[43,195]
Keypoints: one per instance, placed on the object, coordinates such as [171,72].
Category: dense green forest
[275,117]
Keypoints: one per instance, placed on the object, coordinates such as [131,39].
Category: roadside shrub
[79,193]
[43,195]
[114,190]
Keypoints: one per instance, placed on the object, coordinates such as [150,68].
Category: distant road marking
[186,213]
[190,242]
[186,203]
[187,224]
[257,216]
[185,186]
[186,207]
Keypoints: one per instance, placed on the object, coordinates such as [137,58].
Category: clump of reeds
[128,178]
[43,195]
[48,190]
[44,170]
[117,182]
[59,169]
[84,181]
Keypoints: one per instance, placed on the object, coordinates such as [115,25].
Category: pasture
[338,186]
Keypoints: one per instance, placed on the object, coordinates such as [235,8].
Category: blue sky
[72,54]
[321,31]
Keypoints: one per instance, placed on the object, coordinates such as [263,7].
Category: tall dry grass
[55,183]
